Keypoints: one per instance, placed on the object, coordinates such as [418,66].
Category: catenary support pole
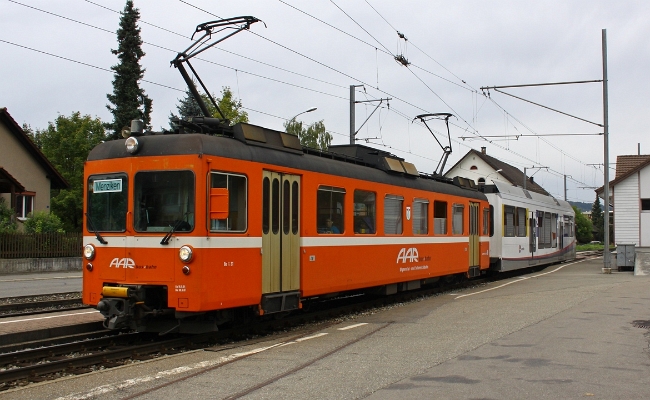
[606,253]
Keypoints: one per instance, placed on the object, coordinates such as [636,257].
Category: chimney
[483,150]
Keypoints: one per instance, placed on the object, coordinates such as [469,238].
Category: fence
[40,245]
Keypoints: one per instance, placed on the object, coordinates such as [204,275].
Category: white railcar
[529,229]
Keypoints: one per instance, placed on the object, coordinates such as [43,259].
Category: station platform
[568,331]
[40,283]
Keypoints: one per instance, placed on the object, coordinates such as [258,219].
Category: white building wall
[626,211]
[483,170]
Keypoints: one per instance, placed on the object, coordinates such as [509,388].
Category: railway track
[31,305]
[83,353]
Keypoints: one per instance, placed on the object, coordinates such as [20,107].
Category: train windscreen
[164,199]
[107,200]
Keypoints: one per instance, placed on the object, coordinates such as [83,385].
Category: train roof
[516,192]
[256,144]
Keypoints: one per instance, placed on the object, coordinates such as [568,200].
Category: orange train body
[250,213]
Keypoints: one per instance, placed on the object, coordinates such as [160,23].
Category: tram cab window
[164,199]
[440,217]
[329,210]
[364,212]
[420,217]
[457,221]
[237,202]
[107,201]
[393,209]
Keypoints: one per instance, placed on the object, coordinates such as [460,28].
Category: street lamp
[304,112]
[492,173]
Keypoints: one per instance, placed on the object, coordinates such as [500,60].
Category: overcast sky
[310,52]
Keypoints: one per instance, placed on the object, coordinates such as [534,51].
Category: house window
[24,205]
[645,204]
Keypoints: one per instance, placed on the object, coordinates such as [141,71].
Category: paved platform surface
[565,332]
[39,283]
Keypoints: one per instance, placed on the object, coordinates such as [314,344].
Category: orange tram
[185,232]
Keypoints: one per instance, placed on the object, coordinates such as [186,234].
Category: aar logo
[410,255]
[122,263]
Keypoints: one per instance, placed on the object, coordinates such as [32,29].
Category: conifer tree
[228,104]
[598,220]
[128,100]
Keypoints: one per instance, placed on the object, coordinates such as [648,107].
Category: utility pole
[606,253]
[564,187]
[353,103]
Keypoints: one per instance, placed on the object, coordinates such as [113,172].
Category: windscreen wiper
[169,234]
[97,235]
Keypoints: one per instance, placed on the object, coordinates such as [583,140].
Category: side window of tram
[440,217]
[457,222]
[364,211]
[329,210]
[237,208]
[393,206]
[508,221]
[420,216]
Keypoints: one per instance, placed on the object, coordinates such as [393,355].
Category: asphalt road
[39,283]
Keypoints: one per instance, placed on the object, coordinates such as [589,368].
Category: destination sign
[107,186]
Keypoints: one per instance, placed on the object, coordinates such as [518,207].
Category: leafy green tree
[229,105]
[7,218]
[314,135]
[597,220]
[128,99]
[66,144]
[583,227]
[43,222]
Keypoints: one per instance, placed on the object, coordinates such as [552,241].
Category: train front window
[164,199]
[107,200]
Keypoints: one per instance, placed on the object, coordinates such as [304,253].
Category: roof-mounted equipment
[446,149]
[237,24]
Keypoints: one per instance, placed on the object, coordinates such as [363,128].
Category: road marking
[521,279]
[105,389]
[311,337]
[353,326]
[40,279]
[49,317]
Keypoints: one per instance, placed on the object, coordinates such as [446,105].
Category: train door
[474,249]
[280,242]
[532,239]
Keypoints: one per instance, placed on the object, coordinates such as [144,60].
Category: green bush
[43,222]
[7,218]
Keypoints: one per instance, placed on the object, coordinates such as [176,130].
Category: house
[26,176]
[629,193]
[484,169]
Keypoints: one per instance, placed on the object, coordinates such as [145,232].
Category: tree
[598,220]
[7,218]
[66,144]
[128,99]
[583,227]
[229,105]
[314,136]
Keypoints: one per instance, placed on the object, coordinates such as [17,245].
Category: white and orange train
[185,232]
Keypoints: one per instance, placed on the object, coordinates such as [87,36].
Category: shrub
[7,218]
[43,222]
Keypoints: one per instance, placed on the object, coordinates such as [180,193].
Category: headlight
[185,253]
[132,145]
[89,251]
